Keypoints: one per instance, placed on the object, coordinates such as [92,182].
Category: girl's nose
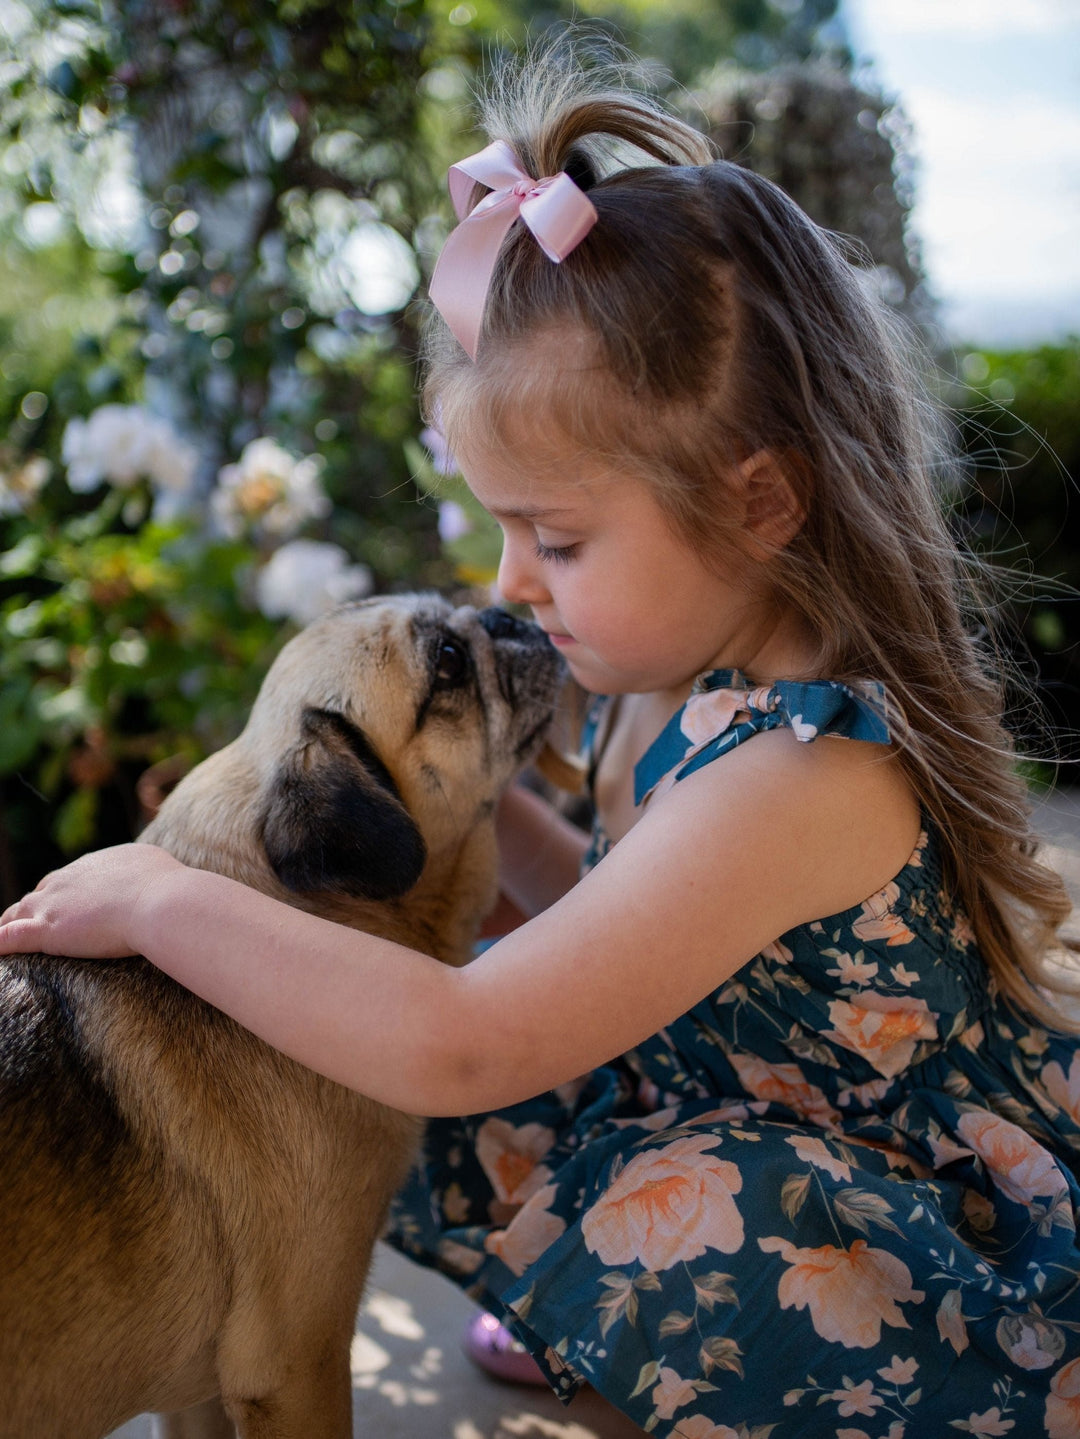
[519,580]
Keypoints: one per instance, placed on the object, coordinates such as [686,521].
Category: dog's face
[384,734]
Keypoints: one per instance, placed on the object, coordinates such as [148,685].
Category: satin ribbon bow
[555,209]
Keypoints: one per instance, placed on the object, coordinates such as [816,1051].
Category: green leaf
[793,1194]
[648,1374]
[75,820]
[648,1280]
[860,1209]
[715,1288]
[720,1352]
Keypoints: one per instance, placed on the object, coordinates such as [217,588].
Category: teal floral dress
[835,1198]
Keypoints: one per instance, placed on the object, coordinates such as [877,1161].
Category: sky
[992,88]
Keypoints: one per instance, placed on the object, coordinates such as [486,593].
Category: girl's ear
[773,513]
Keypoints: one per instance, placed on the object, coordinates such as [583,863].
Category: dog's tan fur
[183,1211]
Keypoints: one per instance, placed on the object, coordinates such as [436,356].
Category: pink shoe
[491,1346]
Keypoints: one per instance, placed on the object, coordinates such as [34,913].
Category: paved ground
[410,1378]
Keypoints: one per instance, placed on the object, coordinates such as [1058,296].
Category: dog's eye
[451,664]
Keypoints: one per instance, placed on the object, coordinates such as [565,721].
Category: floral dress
[837,1197]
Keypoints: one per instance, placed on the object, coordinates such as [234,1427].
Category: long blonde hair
[714,320]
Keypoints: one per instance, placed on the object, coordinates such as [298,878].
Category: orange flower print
[990,1423]
[784,1084]
[697,1426]
[532,1230]
[899,1371]
[672,1393]
[1020,1166]
[1062,1415]
[850,1292]
[667,1205]
[511,1158]
[857,1399]
[815,1151]
[879,921]
[1064,1089]
[883,1028]
[852,968]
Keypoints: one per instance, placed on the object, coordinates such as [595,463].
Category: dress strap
[724,709]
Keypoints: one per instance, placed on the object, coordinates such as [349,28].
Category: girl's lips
[557,640]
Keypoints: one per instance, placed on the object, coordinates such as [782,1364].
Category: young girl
[803,1160]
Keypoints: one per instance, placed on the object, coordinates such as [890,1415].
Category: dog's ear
[334,820]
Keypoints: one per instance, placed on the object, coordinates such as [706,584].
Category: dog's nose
[503,626]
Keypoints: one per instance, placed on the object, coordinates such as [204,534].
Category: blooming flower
[671,1393]
[883,1028]
[899,1371]
[1021,1167]
[121,444]
[305,578]
[269,491]
[850,1292]
[1062,1414]
[667,1205]
[853,969]
[990,1423]
[816,1152]
[532,1230]
[511,1155]
[857,1399]
[783,1084]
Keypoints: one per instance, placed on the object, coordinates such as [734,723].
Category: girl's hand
[87,909]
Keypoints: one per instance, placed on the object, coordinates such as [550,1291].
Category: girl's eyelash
[560,554]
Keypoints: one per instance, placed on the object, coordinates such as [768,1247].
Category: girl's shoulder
[821,776]
[822,782]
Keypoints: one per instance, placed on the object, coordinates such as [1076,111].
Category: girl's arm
[540,851]
[775,834]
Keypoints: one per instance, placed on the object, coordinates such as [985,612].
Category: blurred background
[216,220]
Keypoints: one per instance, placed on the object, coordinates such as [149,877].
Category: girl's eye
[559,554]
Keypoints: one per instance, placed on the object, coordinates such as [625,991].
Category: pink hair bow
[555,209]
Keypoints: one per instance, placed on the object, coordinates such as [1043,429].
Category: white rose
[305,578]
[120,444]
[270,490]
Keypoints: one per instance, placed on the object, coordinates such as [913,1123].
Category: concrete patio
[410,1377]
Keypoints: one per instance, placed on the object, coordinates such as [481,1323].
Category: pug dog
[187,1216]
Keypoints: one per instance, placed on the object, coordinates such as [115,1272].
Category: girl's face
[630,605]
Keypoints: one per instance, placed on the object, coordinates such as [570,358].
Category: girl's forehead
[549,480]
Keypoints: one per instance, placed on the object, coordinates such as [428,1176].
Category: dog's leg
[204,1421]
[315,1403]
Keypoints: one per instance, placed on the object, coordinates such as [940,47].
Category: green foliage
[1019,415]
[122,643]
